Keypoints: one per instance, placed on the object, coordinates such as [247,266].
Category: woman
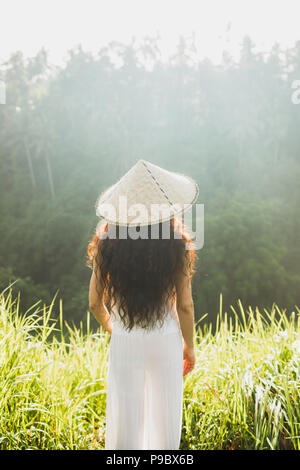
[140,292]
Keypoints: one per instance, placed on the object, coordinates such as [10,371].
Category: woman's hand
[109,327]
[189,359]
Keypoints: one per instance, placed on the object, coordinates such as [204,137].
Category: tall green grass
[244,392]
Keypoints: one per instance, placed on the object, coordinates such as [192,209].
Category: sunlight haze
[60,25]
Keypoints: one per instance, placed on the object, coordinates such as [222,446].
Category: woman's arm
[185,309]
[96,302]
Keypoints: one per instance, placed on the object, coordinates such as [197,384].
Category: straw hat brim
[148,184]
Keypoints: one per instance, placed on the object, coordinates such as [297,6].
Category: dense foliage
[243,393]
[68,132]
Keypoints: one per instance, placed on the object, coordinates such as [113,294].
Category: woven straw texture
[146,194]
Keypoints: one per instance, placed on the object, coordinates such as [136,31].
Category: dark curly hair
[139,275]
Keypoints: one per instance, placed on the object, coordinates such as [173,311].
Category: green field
[244,392]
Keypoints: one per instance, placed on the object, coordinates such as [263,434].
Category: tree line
[68,132]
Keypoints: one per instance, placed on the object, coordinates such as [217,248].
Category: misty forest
[67,132]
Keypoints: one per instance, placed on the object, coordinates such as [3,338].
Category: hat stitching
[157,183]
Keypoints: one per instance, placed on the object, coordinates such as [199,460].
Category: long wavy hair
[139,275]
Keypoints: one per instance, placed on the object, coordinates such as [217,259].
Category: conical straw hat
[146,194]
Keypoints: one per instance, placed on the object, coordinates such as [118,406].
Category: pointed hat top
[146,194]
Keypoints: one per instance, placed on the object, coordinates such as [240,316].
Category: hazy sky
[58,25]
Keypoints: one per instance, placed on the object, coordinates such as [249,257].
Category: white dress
[145,386]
